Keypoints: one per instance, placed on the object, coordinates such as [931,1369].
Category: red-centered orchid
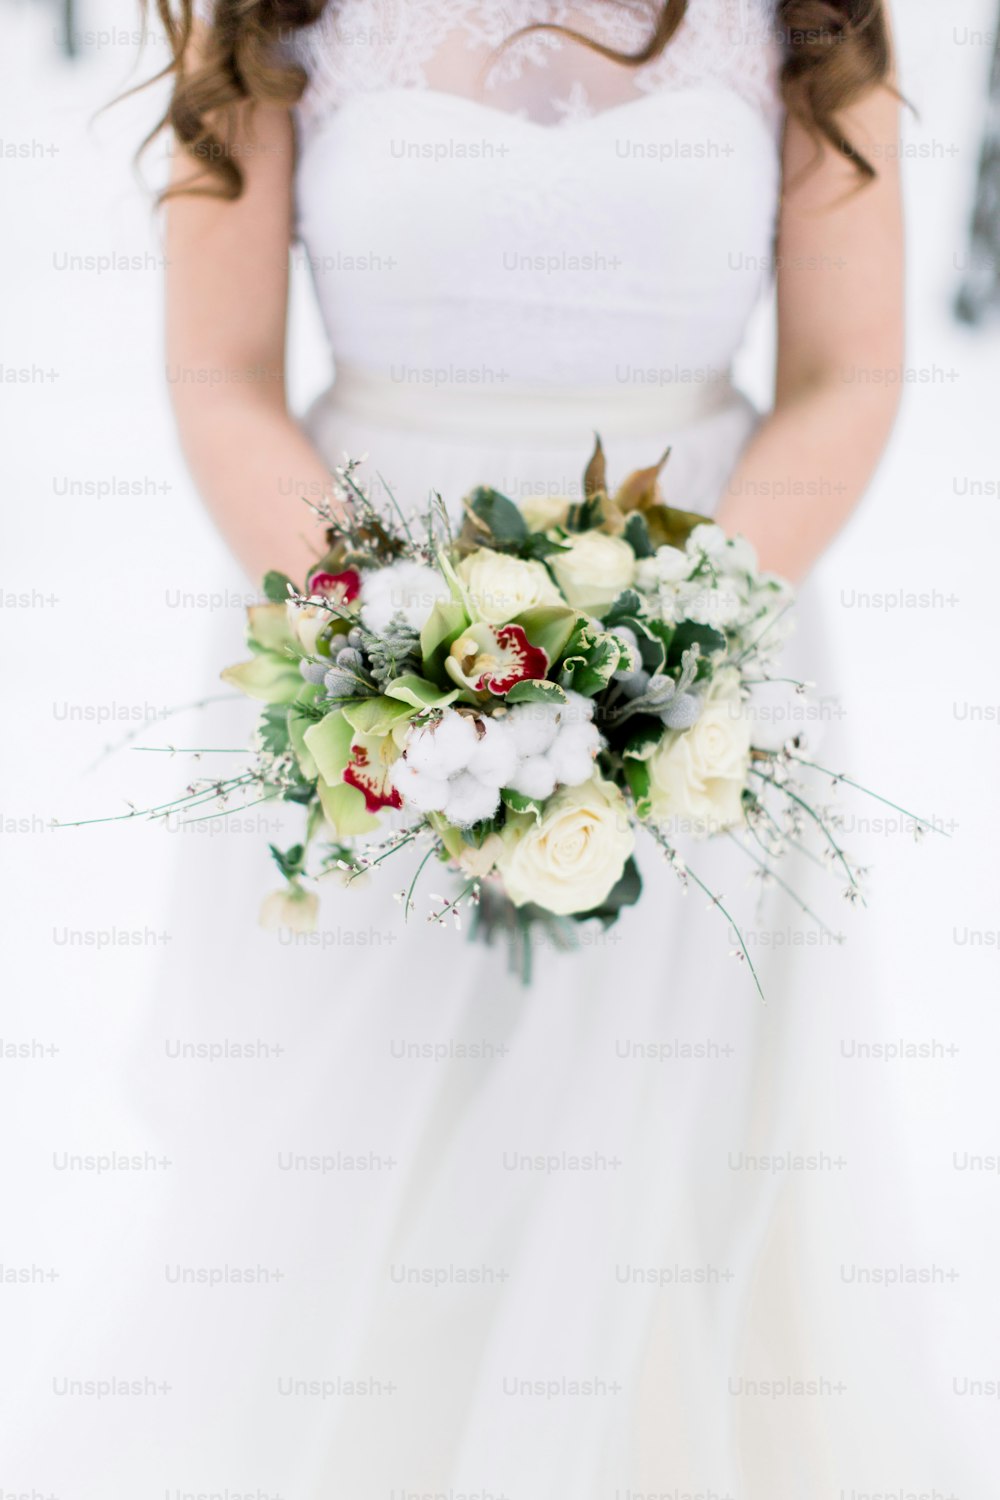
[494,658]
[368,769]
[338,588]
[328,594]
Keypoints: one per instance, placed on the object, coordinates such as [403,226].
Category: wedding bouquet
[523,697]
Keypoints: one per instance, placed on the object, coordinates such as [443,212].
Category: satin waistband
[439,404]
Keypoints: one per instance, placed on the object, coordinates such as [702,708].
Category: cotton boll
[572,755]
[533,726]
[427,793]
[444,747]
[405,589]
[534,777]
[578,709]
[494,757]
[572,765]
[470,800]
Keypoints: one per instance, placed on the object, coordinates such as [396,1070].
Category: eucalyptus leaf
[276,587]
[499,515]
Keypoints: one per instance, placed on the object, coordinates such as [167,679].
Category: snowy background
[118,602]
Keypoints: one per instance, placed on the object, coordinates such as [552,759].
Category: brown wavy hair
[835,52]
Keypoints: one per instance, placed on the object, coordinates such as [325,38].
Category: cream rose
[543,512]
[594,570]
[572,859]
[697,775]
[502,587]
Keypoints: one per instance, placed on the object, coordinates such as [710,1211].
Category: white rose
[543,512]
[697,775]
[502,587]
[594,570]
[572,859]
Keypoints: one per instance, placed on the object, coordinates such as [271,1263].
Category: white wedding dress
[526,1244]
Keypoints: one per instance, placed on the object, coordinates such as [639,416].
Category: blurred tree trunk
[979,293]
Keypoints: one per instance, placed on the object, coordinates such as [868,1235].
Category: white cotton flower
[444,747]
[494,756]
[407,589]
[558,744]
[427,793]
[470,800]
[534,777]
[572,755]
[456,765]
[533,727]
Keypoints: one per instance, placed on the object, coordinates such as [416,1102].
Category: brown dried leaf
[640,490]
[595,476]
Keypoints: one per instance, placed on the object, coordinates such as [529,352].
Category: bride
[519,1258]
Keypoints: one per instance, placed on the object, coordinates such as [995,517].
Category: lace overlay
[458,47]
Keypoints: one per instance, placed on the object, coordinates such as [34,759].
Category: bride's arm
[227,290]
[840,347]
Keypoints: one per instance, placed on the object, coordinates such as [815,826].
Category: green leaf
[687,634]
[375,715]
[535,690]
[637,776]
[549,627]
[301,714]
[268,677]
[625,892]
[501,516]
[625,609]
[276,586]
[417,692]
[637,535]
[539,546]
[643,741]
[519,803]
[272,731]
[587,516]
[290,861]
[590,660]
[329,744]
[444,625]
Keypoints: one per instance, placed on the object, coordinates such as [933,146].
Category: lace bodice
[537,213]
[473,48]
